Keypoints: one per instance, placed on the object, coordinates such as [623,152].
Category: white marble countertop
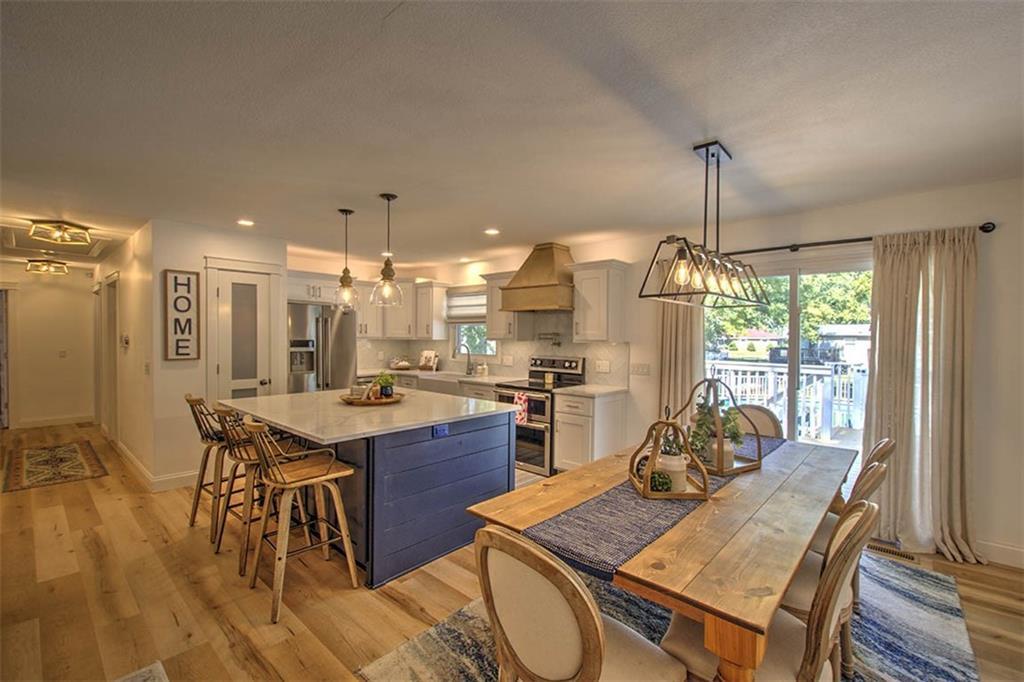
[323,418]
[591,390]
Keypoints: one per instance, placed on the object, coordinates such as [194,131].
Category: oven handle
[537,426]
[532,396]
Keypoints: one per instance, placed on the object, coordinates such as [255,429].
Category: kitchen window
[467,313]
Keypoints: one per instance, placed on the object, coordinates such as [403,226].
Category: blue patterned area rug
[911,627]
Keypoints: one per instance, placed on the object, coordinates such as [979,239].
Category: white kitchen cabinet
[477,391]
[407,381]
[573,440]
[598,301]
[588,428]
[369,318]
[430,311]
[307,287]
[503,325]
[399,319]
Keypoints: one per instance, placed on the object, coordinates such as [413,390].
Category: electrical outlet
[145,368]
[602,366]
[640,369]
[507,360]
[380,355]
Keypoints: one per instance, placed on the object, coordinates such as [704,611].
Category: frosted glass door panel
[243,331]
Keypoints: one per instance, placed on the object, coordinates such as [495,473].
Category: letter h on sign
[181,315]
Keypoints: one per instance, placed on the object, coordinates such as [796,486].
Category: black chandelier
[694,274]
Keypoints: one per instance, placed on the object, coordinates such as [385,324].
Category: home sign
[181,315]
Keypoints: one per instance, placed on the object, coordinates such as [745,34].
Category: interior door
[243,320]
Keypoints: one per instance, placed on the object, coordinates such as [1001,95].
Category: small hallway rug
[911,627]
[46,465]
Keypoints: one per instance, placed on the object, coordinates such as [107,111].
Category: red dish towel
[522,403]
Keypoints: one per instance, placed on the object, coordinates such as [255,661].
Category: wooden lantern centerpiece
[656,476]
[714,435]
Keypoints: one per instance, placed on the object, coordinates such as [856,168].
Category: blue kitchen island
[418,465]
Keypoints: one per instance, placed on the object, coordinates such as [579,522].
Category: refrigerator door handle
[318,354]
[326,335]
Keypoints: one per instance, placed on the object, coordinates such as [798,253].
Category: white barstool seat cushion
[628,656]
[821,536]
[784,650]
[805,583]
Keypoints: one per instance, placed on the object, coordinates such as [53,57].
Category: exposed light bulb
[682,275]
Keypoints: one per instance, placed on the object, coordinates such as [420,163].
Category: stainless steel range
[534,442]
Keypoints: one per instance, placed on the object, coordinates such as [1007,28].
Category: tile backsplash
[616,354]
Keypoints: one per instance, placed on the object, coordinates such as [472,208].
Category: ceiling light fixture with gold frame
[695,274]
[46,266]
[59,232]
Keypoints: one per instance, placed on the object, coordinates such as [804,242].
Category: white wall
[51,352]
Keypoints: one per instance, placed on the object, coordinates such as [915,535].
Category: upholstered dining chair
[800,595]
[547,625]
[768,425]
[211,437]
[793,650]
[288,475]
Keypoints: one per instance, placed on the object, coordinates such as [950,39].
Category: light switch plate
[602,366]
[640,369]
[62,354]
[380,355]
[507,360]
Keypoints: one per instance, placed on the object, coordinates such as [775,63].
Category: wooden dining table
[727,563]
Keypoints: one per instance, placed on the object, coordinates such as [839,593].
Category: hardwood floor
[100,578]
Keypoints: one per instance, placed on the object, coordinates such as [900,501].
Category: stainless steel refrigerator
[321,348]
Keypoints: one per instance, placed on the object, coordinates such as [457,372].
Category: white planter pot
[675,466]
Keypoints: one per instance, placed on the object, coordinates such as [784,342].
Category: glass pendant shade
[346,296]
[386,292]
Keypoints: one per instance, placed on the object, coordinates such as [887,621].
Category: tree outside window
[475,337]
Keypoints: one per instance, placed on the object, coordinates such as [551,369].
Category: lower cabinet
[477,391]
[588,428]
[407,381]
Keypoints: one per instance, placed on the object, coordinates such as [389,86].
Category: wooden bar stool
[282,474]
[211,437]
[241,453]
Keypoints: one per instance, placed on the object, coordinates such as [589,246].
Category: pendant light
[346,295]
[387,292]
[695,274]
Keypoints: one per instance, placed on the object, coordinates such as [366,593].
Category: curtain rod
[984,227]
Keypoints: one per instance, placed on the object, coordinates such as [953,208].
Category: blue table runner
[602,533]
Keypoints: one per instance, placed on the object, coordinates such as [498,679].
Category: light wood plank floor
[100,578]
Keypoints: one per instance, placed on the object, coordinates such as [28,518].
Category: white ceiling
[546,120]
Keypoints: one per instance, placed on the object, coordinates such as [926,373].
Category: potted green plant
[674,461]
[387,384]
[702,432]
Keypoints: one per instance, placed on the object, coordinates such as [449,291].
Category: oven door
[533,448]
[538,405]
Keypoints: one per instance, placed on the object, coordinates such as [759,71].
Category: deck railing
[829,396]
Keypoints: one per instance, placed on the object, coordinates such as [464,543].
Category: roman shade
[467,305]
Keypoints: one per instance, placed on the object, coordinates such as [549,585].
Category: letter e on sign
[181,315]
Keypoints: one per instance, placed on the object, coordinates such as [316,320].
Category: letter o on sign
[182,304]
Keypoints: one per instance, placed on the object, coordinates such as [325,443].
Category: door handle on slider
[264,382]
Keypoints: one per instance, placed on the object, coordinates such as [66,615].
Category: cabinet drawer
[480,392]
[408,382]
[571,404]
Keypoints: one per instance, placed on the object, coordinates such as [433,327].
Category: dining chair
[800,595]
[211,437]
[880,452]
[288,475]
[241,453]
[546,623]
[793,650]
[768,425]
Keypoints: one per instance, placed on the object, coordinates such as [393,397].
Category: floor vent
[891,551]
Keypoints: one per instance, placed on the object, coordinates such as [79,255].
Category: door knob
[264,382]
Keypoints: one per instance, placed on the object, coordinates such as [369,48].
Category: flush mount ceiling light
[387,292]
[347,296]
[695,274]
[46,266]
[59,232]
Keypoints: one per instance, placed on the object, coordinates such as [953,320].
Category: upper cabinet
[430,311]
[598,301]
[501,324]
[369,318]
[308,287]
[400,319]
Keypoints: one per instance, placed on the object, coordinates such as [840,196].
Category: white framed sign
[181,315]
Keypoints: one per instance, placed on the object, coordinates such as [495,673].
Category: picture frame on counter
[181,315]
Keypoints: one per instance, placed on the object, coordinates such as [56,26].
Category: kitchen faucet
[469,359]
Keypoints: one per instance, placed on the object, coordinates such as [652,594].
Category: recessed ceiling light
[492,231]
[464,260]
[245,222]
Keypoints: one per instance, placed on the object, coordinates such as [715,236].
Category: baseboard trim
[140,472]
[52,421]
[999,553]
[172,481]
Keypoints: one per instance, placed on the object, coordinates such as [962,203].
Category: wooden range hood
[543,281]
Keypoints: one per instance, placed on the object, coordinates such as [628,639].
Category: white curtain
[919,386]
[681,339]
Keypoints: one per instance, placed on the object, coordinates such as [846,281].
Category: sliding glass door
[818,392]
